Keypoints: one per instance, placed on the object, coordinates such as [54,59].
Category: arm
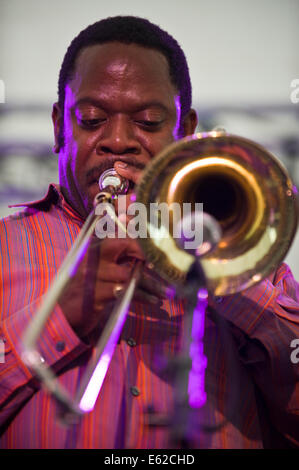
[82,310]
[264,322]
[58,345]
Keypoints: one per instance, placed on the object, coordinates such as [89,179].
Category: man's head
[124,93]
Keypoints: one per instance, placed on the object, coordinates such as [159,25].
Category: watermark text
[295,353]
[294,96]
[159,221]
[2,351]
[2,91]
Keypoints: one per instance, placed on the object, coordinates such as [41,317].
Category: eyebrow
[99,104]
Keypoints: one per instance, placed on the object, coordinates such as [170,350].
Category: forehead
[125,67]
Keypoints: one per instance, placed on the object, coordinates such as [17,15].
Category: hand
[89,298]
[90,295]
[128,171]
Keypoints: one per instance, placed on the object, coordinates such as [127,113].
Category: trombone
[252,209]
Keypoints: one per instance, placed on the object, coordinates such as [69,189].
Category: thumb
[128,171]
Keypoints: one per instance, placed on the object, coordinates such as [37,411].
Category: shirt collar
[53,196]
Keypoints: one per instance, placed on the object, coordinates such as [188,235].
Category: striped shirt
[251,380]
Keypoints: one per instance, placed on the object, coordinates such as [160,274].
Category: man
[124,94]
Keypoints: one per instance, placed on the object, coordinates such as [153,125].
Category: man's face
[120,106]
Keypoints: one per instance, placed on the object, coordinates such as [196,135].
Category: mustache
[95,172]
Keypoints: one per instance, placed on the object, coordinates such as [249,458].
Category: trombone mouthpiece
[112,182]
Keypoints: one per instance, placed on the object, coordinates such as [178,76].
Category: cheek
[77,149]
[156,142]
[164,142]
[69,157]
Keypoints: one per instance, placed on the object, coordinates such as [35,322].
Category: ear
[190,122]
[57,123]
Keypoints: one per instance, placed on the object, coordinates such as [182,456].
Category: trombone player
[124,94]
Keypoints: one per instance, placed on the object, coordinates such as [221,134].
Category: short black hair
[129,29]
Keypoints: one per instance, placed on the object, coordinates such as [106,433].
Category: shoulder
[12,222]
[29,224]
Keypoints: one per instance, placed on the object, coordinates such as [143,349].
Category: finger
[111,291]
[148,290]
[107,292]
[113,273]
[149,270]
[153,287]
[128,171]
[145,297]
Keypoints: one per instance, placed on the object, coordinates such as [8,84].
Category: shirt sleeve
[265,323]
[58,346]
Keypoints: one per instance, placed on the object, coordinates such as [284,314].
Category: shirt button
[131,342]
[135,391]
[60,345]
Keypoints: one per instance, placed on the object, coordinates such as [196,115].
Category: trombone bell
[244,187]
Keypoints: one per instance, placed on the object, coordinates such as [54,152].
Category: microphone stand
[189,366]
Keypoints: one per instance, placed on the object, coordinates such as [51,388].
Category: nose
[118,137]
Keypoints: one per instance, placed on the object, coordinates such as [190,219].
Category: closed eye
[152,125]
[91,123]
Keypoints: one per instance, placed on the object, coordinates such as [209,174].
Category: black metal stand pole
[190,364]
